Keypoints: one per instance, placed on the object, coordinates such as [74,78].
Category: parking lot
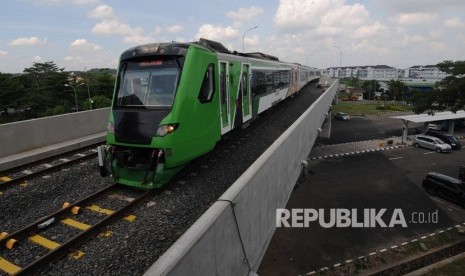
[389,179]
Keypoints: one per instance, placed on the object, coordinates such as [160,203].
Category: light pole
[88,93]
[75,95]
[340,58]
[243,36]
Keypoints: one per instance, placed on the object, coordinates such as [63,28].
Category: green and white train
[174,101]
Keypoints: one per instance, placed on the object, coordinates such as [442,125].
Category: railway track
[21,174]
[159,223]
[38,236]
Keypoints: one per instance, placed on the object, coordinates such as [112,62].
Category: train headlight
[163,130]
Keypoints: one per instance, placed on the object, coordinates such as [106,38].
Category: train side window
[208,85]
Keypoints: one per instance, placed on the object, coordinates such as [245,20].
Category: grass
[367,108]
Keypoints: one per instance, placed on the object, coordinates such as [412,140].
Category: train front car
[160,117]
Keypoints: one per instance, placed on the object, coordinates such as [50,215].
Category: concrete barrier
[217,245]
[30,136]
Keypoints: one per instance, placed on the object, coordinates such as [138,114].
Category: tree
[448,93]
[44,85]
[395,89]
[370,87]
[9,89]
[452,87]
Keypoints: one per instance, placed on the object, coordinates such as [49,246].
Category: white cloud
[110,24]
[461,38]
[27,41]
[86,2]
[406,6]
[326,17]
[416,18]
[75,2]
[73,59]
[103,12]
[438,46]
[454,22]
[82,44]
[251,41]
[174,29]
[353,15]
[46,2]
[3,53]
[369,30]
[136,38]
[38,59]
[301,14]
[217,32]
[245,14]
[112,27]
[414,39]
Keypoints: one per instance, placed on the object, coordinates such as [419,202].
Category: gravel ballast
[162,218]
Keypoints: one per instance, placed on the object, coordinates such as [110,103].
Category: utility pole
[243,36]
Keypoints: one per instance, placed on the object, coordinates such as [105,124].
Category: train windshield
[148,82]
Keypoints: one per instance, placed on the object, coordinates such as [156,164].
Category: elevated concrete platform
[38,154]
[231,237]
[32,140]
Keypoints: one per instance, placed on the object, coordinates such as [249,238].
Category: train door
[245,90]
[224,97]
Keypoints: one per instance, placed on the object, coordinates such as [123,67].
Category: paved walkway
[326,151]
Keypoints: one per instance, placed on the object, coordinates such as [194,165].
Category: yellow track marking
[106,234]
[98,209]
[75,224]
[8,267]
[76,255]
[130,218]
[42,241]
[10,243]
[5,178]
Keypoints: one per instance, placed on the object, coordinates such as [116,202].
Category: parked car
[447,138]
[431,142]
[445,186]
[342,116]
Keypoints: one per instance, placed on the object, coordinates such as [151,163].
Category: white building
[424,72]
[386,73]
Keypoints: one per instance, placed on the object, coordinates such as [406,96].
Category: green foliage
[448,94]
[353,82]
[370,87]
[395,89]
[391,107]
[40,91]
[98,101]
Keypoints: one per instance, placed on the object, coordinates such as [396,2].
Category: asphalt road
[376,180]
[360,128]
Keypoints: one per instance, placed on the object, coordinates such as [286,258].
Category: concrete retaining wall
[212,246]
[32,134]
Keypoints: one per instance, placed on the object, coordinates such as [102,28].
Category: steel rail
[57,167]
[78,239]
[58,214]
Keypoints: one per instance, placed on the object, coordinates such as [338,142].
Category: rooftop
[439,116]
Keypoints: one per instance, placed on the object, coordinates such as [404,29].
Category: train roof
[218,47]
[180,48]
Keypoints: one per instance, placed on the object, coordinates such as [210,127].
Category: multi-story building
[424,72]
[386,73]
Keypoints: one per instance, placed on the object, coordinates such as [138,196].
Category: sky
[84,34]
